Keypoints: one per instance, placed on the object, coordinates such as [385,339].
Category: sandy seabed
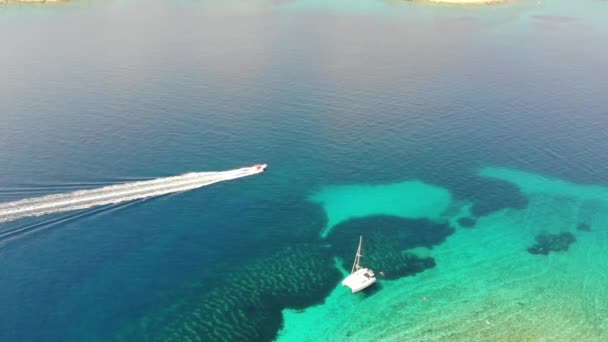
[486,285]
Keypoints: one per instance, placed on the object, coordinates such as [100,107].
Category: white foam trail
[114,194]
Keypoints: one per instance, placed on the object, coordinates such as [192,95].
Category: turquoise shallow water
[452,138]
[486,285]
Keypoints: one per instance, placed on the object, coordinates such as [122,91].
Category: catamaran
[359,277]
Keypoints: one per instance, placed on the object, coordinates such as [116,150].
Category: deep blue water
[109,92]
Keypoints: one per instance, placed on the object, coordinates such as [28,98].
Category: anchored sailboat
[359,277]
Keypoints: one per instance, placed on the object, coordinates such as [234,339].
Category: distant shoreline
[31,1]
[451,2]
[467,2]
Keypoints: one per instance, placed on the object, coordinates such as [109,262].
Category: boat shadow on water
[370,291]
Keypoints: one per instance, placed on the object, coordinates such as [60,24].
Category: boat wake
[115,194]
[14,232]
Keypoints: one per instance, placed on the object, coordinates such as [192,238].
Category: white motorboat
[359,277]
[260,167]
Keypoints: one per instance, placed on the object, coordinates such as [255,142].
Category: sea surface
[466,144]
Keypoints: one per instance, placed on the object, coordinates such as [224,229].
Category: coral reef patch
[546,243]
[467,222]
[247,306]
[490,195]
[583,227]
[388,243]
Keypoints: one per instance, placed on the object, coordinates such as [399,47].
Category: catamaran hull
[359,280]
[361,287]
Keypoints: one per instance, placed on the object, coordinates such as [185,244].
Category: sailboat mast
[358,256]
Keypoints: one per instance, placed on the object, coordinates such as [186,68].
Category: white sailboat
[359,277]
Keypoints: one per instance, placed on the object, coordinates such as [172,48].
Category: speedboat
[359,277]
[260,167]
